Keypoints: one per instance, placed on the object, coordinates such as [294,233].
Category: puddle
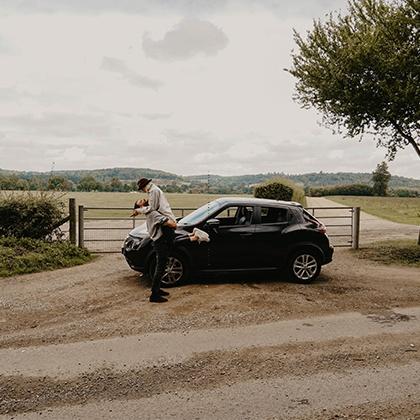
[390,317]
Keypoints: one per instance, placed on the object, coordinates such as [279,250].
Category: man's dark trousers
[162,247]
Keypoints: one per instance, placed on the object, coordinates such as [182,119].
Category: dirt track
[365,365]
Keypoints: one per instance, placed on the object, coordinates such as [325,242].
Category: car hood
[139,231]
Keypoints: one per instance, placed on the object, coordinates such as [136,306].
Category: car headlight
[131,243]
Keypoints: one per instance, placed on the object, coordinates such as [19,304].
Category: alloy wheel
[305,267]
[174,271]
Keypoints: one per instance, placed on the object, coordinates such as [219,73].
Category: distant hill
[314,179]
[215,183]
[103,175]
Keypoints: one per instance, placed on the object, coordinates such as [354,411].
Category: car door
[232,242]
[270,244]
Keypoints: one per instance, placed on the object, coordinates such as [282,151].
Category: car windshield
[200,214]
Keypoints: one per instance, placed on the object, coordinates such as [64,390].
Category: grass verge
[24,255]
[396,209]
[402,252]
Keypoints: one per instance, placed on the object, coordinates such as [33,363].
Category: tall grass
[396,209]
[24,255]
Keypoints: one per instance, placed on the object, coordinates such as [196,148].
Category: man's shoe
[157,299]
[163,293]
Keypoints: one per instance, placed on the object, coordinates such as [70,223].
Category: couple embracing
[161,225]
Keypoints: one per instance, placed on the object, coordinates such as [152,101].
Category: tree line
[117,180]
[90,184]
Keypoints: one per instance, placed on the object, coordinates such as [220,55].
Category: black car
[245,234]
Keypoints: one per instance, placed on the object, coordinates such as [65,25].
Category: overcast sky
[187,86]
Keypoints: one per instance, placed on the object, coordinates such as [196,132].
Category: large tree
[362,71]
[380,178]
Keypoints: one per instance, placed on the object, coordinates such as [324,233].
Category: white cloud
[61,125]
[282,8]
[118,66]
[231,114]
[187,39]
[156,116]
[3,48]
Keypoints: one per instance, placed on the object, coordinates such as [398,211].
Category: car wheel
[176,273]
[304,266]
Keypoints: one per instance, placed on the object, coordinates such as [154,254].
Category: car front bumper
[329,254]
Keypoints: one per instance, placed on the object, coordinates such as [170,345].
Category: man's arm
[164,220]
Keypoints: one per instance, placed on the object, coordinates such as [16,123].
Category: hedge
[350,189]
[280,189]
[30,215]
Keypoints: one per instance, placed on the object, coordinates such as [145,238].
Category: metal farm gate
[103,229]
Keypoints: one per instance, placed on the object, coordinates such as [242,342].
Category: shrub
[26,255]
[280,189]
[404,193]
[30,215]
[350,189]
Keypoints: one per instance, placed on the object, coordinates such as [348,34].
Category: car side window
[236,215]
[274,215]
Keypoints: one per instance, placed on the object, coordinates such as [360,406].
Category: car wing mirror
[212,224]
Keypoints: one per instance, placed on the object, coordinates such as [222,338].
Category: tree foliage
[349,189]
[29,215]
[362,71]
[59,183]
[380,178]
[280,189]
[274,191]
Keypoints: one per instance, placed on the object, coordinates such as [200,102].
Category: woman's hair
[137,206]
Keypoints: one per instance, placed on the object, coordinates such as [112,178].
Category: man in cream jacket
[160,222]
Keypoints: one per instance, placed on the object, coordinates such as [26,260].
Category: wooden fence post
[81,227]
[72,220]
[355,228]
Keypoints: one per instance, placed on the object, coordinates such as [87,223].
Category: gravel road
[84,343]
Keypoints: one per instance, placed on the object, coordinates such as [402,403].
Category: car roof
[252,201]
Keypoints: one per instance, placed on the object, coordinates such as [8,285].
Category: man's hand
[171,223]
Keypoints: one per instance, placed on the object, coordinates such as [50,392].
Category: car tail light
[321,228]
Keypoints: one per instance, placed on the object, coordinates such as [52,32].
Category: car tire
[304,265]
[177,271]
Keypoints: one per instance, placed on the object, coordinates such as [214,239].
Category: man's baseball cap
[142,182]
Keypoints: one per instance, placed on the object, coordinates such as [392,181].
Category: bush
[350,189]
[30,215]
[280,189]
[25,255]
[404,193]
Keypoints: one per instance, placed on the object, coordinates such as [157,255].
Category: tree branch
[408,137]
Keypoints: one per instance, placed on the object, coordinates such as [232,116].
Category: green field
[126,200]
[395,209]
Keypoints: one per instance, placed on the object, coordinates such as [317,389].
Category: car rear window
[274,215]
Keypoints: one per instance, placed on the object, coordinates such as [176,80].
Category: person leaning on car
[161,223]
[156,199]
